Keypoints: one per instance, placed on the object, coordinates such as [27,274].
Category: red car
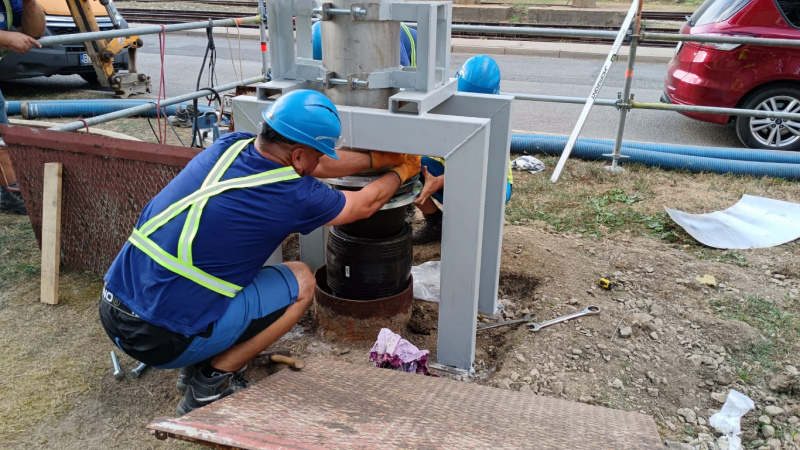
[741,76]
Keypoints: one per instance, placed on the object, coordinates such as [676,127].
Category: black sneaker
[183,378]
[202,391]
[429,231]
[239,382]
[11,200]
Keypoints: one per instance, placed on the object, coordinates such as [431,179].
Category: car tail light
[723,47]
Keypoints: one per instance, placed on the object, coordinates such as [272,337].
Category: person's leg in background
[10,198]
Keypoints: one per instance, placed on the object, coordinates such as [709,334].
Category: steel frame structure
[472,132]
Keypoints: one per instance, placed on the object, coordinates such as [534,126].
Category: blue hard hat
[316,40]
[479,74]
[306,117]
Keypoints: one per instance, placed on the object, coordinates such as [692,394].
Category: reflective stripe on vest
[9,22]
[182,264]
[413,56]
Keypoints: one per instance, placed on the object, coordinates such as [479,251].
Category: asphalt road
[565,77]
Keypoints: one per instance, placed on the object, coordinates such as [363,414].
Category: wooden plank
[51,232]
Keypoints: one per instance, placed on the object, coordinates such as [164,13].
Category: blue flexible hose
[84,108]
[550,145]
[739,154]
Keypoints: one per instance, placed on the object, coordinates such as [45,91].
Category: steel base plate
[334,404]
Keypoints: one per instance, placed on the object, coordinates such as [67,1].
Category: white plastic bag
[426,281]
[528,163]
[728,420]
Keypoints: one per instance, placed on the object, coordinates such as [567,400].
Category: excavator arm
[103,51]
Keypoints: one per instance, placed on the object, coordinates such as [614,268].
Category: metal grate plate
[333,404]
[106,184]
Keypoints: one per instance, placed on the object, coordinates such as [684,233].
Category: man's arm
[366,202]
[33,21]
[351,162]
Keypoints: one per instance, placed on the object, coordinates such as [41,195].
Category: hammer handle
[291,362]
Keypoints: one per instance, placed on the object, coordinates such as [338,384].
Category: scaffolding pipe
[660,106]
[561,99]
[72,126]
[262,30]
[625,97]
[705,38]
[533,31]
[154,29]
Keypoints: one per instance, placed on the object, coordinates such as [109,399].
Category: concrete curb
[644,55]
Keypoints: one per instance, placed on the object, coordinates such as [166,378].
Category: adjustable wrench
[590,310]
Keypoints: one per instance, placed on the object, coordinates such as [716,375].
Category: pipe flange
[405,199]
[360,181]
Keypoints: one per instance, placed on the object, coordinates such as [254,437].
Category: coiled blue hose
[739,154]
[554,145]
[84,108]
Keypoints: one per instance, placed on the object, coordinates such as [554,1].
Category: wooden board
[51,232]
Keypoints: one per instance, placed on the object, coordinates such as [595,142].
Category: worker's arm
[33,20]
[366,202]
[351,162]
[17,42]
[432,185]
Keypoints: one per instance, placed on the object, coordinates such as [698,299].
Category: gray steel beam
[497,108]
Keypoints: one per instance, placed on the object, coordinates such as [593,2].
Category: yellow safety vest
[510,174]
[195,202]
[413,56]
[10,23]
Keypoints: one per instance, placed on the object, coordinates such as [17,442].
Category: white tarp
[753,222]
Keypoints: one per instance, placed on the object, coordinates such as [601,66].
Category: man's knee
[305,280]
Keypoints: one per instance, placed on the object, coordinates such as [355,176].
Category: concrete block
[584,3]
[466,2]
[482,13]
[558,15]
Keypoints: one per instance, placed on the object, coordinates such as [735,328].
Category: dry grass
[590,199]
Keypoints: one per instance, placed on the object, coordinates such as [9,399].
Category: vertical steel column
[359,46]
[262,29]
[497,108]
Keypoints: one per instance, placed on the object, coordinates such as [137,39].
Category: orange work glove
[408,169]
[385,159]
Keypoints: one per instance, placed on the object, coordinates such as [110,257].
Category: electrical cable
[212,49]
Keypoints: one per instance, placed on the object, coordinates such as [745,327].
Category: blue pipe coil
[739,154]
[85,108]
[532,144]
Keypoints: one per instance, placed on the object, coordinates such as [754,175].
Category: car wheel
[90,77]
[772,134]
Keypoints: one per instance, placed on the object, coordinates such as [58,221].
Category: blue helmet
[316,40]
[306,117]
[479,74]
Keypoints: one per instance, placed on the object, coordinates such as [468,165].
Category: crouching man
[188,289]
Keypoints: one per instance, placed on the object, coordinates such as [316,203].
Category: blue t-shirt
[16,7]
[405,46]
[238,231]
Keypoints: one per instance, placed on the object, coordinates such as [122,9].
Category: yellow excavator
[103,51]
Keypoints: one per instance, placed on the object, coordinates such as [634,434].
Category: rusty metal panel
[106,184]
[333,404]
